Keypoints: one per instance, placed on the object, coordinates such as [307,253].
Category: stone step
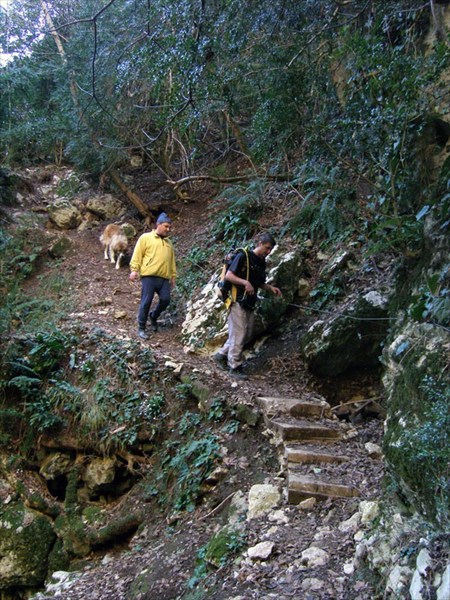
[298,454]
[307,486]
[295,407]
[298,430]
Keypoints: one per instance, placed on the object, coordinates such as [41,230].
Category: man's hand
[134,276]
[249,288]
[273,289]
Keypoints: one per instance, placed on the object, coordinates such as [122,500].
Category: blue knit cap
[163,218]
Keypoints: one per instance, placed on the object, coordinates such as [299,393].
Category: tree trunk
[132,197]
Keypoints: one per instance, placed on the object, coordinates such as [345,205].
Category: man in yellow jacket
[153,261]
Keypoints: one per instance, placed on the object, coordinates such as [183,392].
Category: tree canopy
[337,94]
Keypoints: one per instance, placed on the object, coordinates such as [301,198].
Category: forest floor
[157,564]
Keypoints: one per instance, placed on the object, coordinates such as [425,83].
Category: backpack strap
[233,287]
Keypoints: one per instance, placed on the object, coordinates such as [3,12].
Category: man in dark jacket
[248,277]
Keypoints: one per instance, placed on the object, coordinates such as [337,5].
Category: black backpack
[226,291]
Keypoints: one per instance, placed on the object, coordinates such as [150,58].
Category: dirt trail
[107,299]
[158,563]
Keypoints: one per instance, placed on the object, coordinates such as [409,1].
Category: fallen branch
[218,507]
[237,179]
[132,197]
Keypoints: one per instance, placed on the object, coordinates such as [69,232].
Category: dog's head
[121,246]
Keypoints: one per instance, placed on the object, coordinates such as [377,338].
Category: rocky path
[326,471]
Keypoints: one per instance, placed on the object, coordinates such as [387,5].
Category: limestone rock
[416,587]
[351,524]
[398,579]
[279,517]
[424,562]
[99,472]
[261,551]
[238,507]
[60,247]
[106,206]
[261,499]
[55,464]
[443,590]
[307,504]
[337,263]
[64,215]
[373,450]
[314,557]
[369,511]
[303,288]
[60,581]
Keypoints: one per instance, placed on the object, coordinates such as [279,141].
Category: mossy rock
[222,546]
[351,339]
[60,247]
[58,559]
[416,442]
[72,531]
[26,539]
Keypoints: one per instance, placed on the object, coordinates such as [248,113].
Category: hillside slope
[167,552]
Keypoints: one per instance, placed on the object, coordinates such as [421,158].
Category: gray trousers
[240,330]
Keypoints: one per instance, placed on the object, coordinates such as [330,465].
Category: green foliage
[327,205]
[63,382]
[401,235]
[21,250]
[427,444]
[47,350]
[185,464]
[239,220]
[69,186]
[42,416]
[193,270]
[217,410]
[325,293]
[432,300]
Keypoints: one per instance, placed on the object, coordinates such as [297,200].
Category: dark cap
[163,218]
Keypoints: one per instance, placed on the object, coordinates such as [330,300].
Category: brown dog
[115,244]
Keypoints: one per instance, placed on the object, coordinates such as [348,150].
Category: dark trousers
[150,286]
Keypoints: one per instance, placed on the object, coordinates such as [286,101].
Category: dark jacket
[257,277]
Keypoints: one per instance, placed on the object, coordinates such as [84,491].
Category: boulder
[100,472]
[26,539]
[261,499]
[64,215]
[56,464]
[60,247]
[261,551]
[314,557]
[351,339]
[106,206]
[205,329]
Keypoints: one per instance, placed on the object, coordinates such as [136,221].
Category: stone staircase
[311,444]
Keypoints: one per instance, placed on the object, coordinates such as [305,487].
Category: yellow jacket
[154,255]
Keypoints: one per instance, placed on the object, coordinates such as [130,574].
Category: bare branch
[223,180]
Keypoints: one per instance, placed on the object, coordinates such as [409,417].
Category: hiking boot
[154,323]
[238,373]
[221,360]
[142,334]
